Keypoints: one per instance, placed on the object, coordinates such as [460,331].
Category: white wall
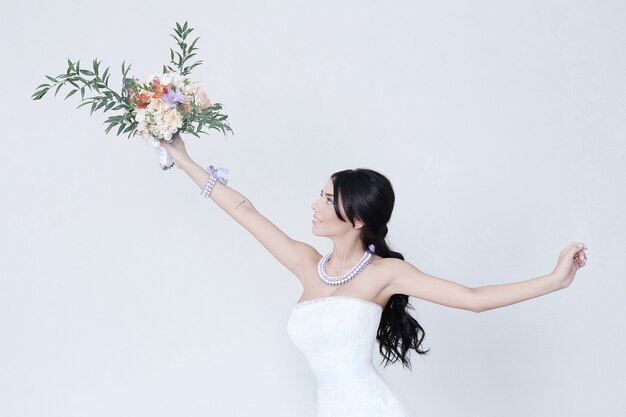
[500,124]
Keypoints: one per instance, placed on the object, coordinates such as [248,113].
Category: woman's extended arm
[406,279]
[292,254]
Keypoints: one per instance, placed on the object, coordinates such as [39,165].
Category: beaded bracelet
[213,179]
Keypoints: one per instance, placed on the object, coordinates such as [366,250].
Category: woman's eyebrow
[328,194]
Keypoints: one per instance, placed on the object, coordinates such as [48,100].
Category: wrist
[553,282]
[185,164]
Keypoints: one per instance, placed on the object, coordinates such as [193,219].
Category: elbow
[475,309]
[475,305]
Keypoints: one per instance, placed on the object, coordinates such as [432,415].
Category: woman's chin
[315,230]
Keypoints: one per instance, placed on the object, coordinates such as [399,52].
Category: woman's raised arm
[294,255]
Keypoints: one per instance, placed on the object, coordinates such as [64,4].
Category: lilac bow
[214,172]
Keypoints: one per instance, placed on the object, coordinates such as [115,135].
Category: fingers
[576,251]
[580,259]
[574,245]
[578,245]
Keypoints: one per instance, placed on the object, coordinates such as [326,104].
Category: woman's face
[325,220]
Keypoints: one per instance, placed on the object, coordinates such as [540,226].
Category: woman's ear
[358,224]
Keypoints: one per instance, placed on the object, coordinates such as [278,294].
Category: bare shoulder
[396,272]
[392,267]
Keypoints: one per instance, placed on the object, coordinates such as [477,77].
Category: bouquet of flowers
[158,108]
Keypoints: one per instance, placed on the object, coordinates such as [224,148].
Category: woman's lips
[315,220]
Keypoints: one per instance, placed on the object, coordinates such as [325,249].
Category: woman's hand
[177,151]
[571,259]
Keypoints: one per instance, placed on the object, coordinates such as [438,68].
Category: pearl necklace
[342,279]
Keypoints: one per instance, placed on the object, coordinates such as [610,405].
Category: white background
[500,123]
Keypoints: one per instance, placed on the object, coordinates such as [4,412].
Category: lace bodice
[337,335]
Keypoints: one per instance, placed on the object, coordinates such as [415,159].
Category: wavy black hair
[368,195]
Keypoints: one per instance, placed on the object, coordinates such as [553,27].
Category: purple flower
[172,97]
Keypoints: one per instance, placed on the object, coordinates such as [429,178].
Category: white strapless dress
[337,335]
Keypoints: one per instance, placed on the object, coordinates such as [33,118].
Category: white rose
[177,79]
[140,117]
[165,79]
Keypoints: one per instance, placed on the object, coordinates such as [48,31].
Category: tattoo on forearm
[240,204]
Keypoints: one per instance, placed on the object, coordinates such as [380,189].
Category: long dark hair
[368,196]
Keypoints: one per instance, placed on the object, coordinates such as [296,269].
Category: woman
[359,292]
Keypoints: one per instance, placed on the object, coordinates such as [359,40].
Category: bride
[358,294]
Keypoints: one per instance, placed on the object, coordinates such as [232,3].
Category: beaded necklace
[353,272]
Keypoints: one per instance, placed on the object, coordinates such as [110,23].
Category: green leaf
[51,79]
[110,127]
[57,90]
[86,103]
[37,95]
[108,107]
[178,27]
[194,65]
[42,85]
[122,127]
[69,94]
[129,128]
[185,27]
[191,48]
[82,93]
[189,56]
[117,119]
[86,72]
[101,105]
[93,106]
